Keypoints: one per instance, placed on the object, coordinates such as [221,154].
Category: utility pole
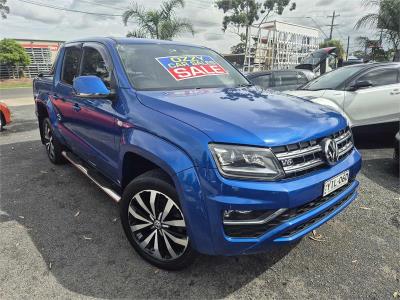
[332,23]
[348,45]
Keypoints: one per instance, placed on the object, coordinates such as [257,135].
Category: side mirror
[359,84]
[90,87]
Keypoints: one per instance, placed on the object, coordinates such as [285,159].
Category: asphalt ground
[60,237]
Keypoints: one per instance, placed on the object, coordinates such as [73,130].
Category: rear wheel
[53,146]
[154,223]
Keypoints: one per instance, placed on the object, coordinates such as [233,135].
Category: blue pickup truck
[199,160]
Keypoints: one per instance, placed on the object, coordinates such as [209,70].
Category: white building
[279,45]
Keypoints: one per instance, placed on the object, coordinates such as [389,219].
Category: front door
[378,103]
[95,119]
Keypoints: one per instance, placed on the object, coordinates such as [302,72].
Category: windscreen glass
[332,80]
[170,67]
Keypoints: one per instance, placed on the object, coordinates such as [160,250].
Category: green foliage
[240,14]
[243,13]
[387,18]
[4,9]
[239,48]
[158,23]
[277,6]
[334,43]
[12,53]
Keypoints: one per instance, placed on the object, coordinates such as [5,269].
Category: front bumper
[221,194]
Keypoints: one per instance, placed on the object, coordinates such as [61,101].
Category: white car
[368,94]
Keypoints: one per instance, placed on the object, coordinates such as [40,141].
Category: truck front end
[258,197]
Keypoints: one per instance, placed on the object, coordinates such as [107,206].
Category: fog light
[231,215]
[250,217]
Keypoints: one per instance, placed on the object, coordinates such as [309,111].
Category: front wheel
[154,223]
[53,146]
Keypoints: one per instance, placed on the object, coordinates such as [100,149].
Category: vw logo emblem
[330,150]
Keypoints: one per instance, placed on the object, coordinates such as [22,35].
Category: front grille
[257,230]
[307,156]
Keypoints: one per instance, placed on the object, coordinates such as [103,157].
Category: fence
[40,63]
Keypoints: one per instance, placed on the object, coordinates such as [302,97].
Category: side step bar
[100,182]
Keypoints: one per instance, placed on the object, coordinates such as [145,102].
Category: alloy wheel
[48,137]
[157,225]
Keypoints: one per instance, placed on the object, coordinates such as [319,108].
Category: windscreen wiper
[244,85]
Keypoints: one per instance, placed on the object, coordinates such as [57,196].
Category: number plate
[336,182]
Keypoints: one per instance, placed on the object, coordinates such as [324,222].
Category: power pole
[332,23]
[348,45]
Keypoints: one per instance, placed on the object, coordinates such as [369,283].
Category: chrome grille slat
[303,166]
[343,137]
[298,153]
[307,156]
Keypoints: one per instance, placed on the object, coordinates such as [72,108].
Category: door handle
[76,107]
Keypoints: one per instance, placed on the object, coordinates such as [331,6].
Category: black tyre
[2,122]
[53,146]
[154,223]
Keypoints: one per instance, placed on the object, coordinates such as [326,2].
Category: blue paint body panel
[173,129]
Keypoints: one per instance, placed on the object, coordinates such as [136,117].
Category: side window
[93,64]
[285,78]
[72,58]
[380,77]
[263,81]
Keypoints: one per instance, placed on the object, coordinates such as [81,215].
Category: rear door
[378,103]
[62,98]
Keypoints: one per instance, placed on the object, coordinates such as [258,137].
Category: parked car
[320,61]
[280,80]
[396,155]
[5,115]
[199,160]
[369,94]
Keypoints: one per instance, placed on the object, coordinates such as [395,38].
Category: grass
[15,83]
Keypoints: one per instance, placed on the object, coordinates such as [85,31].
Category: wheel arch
[145,151]
[174,162]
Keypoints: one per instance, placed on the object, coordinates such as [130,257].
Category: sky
[35,22]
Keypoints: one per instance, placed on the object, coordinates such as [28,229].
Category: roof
[260,73]
[128,41]
[290,27]
[373,65]
[37,40]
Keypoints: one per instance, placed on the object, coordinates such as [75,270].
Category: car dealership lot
[61,236]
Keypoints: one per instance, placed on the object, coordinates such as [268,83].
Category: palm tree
[158,24]
[370,19]
[386,19]
[4,9]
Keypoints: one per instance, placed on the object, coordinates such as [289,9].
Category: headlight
[246,162]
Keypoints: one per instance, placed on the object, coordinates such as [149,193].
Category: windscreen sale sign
[191,66]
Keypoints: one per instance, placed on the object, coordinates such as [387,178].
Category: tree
[4,9]
[386,18]
[334,43]
[158,24]
[12,54]
[241,14]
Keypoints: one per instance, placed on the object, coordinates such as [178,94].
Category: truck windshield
[171,67]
